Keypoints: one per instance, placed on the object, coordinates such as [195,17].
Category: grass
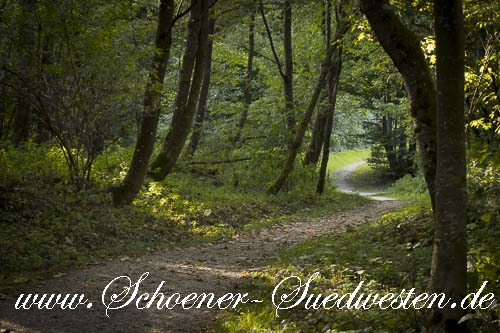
[367,179]
[341,159]
[47,226]
[389,254]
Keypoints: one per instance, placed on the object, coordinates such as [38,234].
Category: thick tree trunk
[128,190]
[188,91]
[288,77]
[403,46]
[23,112]
[247,86]
[449,259]
[202,111]
[301,130]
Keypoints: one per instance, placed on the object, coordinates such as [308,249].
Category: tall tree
[342,26]
[23,107]
[191,77]
[286,73]
[202,111]
[403,47]
[247,86]
[302,127]
[449,259]
[129,188]
[314,150]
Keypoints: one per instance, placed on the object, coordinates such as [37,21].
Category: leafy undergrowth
[377,180]
[390,254]
[46,226]
[367,179]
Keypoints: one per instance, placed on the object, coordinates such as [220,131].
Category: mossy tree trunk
[126,192]
[314,150]
[191,77]
[342,26]
[202,111]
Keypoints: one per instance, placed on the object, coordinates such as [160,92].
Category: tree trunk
[188,91]
[288,77]
[128,190]
[403,46]
[314,150]
[247,87]
[333,81]
[301,130]
[449,259]
[287,73]
[23,108]
[202,111]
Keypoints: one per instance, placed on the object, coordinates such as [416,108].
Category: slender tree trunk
[188,91]
[318,135]
[288,77]
[247,87]
[449,259]
[314,150]
[286,73]
[301,130]
[342,27]
[403,46]
[128,190]
[202,111]
[23,108]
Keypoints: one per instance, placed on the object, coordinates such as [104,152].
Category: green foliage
[409,187]
[47,226]
[341,159]
[31,163]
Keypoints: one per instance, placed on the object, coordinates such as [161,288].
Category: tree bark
[403,46]
[288,77]
[301,130]
[130,187]
[449,258]
[202,111]
[21,127]
[188,91]
[314,150]
[342,26]
[286,73]
[247,87]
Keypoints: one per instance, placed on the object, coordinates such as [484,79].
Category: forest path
[219,268]
[342,180]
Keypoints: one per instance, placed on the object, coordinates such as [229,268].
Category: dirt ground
[217,268]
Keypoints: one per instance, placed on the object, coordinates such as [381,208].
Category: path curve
[219,268]
[343,182]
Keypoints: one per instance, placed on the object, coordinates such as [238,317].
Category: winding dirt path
[343,178]
[217,268]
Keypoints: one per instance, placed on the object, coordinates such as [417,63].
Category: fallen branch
[219,162]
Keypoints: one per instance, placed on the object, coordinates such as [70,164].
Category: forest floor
[219,268]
